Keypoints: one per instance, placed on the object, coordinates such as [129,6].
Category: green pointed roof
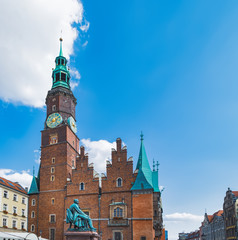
[61,75]
[34,186]
[145,179]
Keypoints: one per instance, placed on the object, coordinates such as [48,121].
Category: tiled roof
[12,185]
[210,217]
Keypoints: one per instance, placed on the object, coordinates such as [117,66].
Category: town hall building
[125,206]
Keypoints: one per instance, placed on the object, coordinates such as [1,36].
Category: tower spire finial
[153,164]
[33,171]
[61,52]
[157,165]
[141,136]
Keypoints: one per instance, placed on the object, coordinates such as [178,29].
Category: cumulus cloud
[29,44]
[99,152]
[23,177]
[183,217]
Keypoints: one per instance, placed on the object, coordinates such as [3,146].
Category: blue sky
[168,68]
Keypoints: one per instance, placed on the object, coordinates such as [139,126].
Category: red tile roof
[12,185]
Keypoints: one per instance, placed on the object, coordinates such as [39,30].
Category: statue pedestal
[81,236]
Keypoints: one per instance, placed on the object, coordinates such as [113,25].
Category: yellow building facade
[13,206]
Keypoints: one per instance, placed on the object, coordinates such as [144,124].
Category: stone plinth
[81,236]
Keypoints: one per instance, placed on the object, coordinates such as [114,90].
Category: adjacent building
[13,206]
[213,226]
[127,205]
[230,208]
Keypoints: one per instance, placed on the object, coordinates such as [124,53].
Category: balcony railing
[118,222]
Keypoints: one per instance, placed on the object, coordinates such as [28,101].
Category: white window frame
[80,186]
[33,202]
[5,207]
[4,222]
[14,221]
[32,228]
[15,197]
[117,182]
[5,194]
[33,214]
[14,210]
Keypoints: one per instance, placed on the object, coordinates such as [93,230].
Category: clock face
[54,120]
[72,124]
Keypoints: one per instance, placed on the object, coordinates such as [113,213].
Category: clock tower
[59,150]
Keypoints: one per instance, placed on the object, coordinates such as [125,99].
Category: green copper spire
[60,75]
[34,186]
[145,179]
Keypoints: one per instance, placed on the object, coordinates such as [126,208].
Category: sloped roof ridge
[12,185]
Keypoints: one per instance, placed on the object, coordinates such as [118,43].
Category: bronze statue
[80,220]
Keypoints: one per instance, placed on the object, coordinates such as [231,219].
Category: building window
[52,201]
[52,170]
[22,225]
[53,160]
[14,210]
[143,238]
[14,197]
[32,214]
[63,76]
[81,187]
[53,108]
[119,182]
[52,218]
[4,207]
[73,164]
[33,202]
[14,224]
[32,228]
[54,139]
[23,212]
[23,201]
[118,236]
[5,194]
[52,234]
[4,222]
[118,212]
[52,178]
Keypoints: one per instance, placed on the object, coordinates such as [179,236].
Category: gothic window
[118,212]
[52,218]
[52,234]
[52,178]
[32,214]
[53,160]
[32,228]
[33,202]
[52,201]
[52,170]
[81,187]
[119,182]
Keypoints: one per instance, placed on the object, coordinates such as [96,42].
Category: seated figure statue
[78,218]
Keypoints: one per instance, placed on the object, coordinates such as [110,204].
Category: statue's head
[76,201]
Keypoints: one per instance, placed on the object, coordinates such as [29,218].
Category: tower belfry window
[63,76]
[57,76]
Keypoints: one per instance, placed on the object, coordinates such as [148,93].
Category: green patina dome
[60,75]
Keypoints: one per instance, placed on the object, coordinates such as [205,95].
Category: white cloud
[37,155]
[23,177]
[99,152]
[183,217]
[85,43]
[29,44]
[181,222]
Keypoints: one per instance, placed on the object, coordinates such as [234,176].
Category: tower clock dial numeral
[72,124]
[54,120]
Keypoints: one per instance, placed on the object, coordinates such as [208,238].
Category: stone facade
[230,208]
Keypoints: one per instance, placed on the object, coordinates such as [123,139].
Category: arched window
[33,202]
[119,182]
[32,214]
[81,187]
[32,228]
[118,212]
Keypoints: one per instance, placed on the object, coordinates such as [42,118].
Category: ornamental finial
[141,136]
[61,52]
[153,164]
